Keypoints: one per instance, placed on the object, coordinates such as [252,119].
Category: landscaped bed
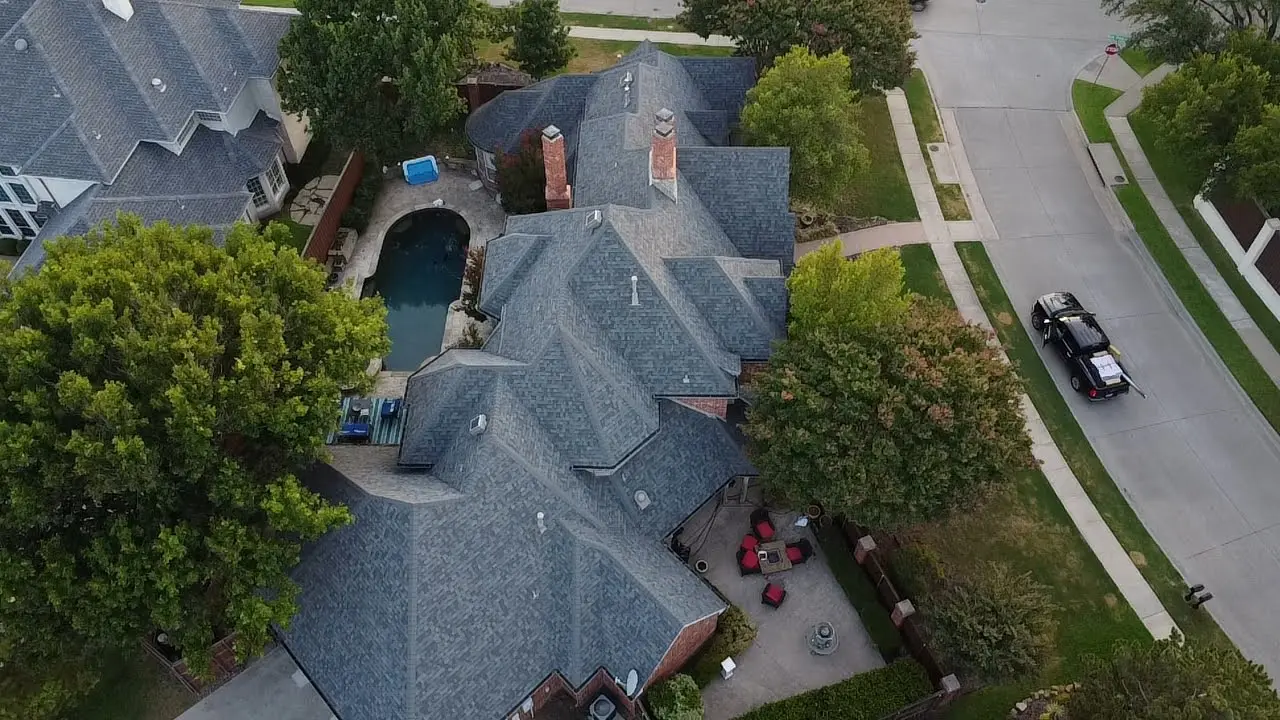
[924,115]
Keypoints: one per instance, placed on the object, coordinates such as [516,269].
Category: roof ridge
[739,284]
[217,196]
[571,359]
[575,609]
[411,657]
[576,504]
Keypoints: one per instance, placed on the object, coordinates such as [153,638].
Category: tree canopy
[522,176]
[804,103]
[889,417]
[1172,680]
[378,75]
[161,395]
[539,39]
[1174,31]
[874,34]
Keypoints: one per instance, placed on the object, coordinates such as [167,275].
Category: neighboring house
[511,557]
[161,108]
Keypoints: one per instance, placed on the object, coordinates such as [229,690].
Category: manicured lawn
[595,55]
[135,688]
[1090,101]
[862,595]
[929,130]
[625,22]
[269,3]
[883,189]
[923,275]
[1137,59]
[299,233]
[1071,441]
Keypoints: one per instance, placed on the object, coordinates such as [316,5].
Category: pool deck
[397,198]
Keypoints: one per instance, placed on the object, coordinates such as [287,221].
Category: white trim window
[7,171]
[20,191]
[20,220]
[275,176]
[259,195]
[4,196]
[207,116]
[5,230]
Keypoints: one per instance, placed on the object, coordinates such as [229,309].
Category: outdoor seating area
[759,559]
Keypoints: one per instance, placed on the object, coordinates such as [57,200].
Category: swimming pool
[419,274]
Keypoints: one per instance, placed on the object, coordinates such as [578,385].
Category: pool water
[419,274]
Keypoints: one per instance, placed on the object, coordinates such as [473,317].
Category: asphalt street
[1199,465]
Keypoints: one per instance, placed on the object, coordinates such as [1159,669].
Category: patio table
[773,557]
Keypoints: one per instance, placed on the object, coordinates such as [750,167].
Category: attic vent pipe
[541,520]
[635,296]
[594,219]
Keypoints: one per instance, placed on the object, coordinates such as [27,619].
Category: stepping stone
[326,183]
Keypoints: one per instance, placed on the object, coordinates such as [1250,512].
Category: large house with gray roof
[511,555]
[161,108]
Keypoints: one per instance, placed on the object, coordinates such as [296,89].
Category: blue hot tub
[421,170]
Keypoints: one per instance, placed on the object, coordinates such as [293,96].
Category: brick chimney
[559,194]
[662,153]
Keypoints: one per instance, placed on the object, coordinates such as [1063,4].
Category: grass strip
[593,55]
[861,593]
[924,277]
[1158,571]
[1138,59]
[929,130]
[882,190]
[623,22]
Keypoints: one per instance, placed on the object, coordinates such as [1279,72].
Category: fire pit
[822,639]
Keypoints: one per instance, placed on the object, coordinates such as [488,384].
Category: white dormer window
[206,116]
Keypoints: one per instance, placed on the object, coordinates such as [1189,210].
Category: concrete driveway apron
[1199,465]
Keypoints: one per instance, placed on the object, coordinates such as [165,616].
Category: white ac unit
[602,708]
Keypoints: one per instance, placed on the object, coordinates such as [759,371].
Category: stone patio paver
[1066,486]
[779,664]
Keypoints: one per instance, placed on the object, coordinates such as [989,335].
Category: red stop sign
[1113,49]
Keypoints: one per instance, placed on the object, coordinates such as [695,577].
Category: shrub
[472,277]
[996,624]
[734,633]
[361,209]
[916,569]
[522,178]
[867,696]
[676,699]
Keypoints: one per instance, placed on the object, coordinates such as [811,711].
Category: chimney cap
[551,132]
[665,116]
[664,129]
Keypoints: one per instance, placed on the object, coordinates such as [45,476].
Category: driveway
[1197,462]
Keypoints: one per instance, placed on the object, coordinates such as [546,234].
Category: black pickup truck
[1095,370]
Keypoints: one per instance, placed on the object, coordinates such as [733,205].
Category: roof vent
[541,519]
[478,424]
[594,219]
[20,44]
[686,380]
[158,84]
[635,296]
[642,500]
[122,9]
[626,79]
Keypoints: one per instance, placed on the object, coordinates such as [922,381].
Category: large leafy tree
[161,393]
[1173,680]
[1254,160]
[522,176]
[1174,31]
[378,75]
[804,103]
[540,40]
[874,34]
[1198,110]
[889,419]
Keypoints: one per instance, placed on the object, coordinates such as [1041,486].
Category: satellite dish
[632,680]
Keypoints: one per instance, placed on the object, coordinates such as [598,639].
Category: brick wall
[326,231]
[718,407]
[749,371]
[689,641]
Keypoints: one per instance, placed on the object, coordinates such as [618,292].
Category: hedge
[676,699]
[866,696]
[734,633]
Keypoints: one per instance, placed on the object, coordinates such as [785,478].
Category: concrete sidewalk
[657,36]
[1088,521]
[1183,238]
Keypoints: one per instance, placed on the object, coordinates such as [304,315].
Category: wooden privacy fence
[326,231]
[225,666]
[873,562]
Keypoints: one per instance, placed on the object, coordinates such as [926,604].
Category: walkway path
[1066,486]
[1222,294]
[658,36]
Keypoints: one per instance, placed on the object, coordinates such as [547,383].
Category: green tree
[1175,31]
[1254,160]
[522,176]
[378,75]
[993,622]
[540,41]
[803,103]
[676,699]
[1198,110]
[1172,680]
[874,34]
[827,290]
[162,395]
[886,422]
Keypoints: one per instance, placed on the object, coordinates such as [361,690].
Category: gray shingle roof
[600,319]
[80,96]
